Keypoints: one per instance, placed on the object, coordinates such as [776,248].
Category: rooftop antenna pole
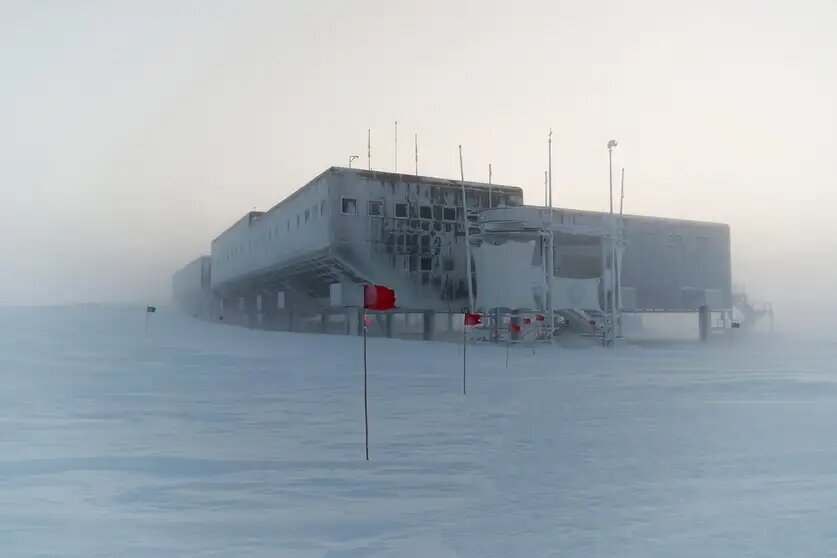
[369,148]
[614,274]
[551,268]
[396,146]
[490,203]
[545,188]
[467,236]
[622,195]
[416,154]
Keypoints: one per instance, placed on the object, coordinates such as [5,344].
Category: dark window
[297,221]
[427,264]
[401,210]
[348,206]
[307,214]
[425,243]
[322,207]
[376,208]
[426,212]
[450,214]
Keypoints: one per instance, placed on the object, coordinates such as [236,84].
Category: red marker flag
[539,318]
[514,328]
[527,321]
[376,297]
[472,319]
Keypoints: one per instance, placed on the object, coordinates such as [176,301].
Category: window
[376,208]
[450,214]
[307,215]
[438,212]
[425,212]
[289,225]
[348,206]
[297,221]
[322,207]
[425,243]
[401,210]
[427,264]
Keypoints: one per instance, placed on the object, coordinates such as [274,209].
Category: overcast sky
[132,133]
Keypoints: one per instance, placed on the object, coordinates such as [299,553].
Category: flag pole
[464,358]
[508,343]
[365,404]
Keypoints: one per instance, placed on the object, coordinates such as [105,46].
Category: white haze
[135,132]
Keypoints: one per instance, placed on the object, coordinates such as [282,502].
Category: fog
[134,133]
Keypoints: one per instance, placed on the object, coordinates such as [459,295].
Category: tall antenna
[467,236]
[545,188]
[622,195]
[551,268]
[416,154]
[369,148]
[396,146]
[490,204]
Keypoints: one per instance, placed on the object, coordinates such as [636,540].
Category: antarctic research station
[447,247]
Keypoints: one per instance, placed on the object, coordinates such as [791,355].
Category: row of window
[309,215]
[348,206]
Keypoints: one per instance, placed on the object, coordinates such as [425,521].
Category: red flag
[472,319]
[539,318]
[376,297]
[514,328]
[527,321]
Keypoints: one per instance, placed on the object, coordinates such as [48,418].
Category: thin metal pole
[490,203]
[622,194]
[551,268]
[508,342]
[416,154]
[545,188]
[610,175]
[365,404]
[467,236]
[613,272]
[396,146]
[464,359]
[369,149]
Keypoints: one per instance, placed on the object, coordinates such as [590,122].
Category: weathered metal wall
[677,265]
[408,232]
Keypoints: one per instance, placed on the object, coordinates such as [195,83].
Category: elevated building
[305,258]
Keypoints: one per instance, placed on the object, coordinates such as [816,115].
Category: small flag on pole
[149,310]
[472,319]
[527,321]
[514,328]
[375,297]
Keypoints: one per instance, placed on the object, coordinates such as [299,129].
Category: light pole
[351,158]
[614,277]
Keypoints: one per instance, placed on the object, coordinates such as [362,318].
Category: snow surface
[208,440]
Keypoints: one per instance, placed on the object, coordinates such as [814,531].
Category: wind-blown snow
[208,440]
